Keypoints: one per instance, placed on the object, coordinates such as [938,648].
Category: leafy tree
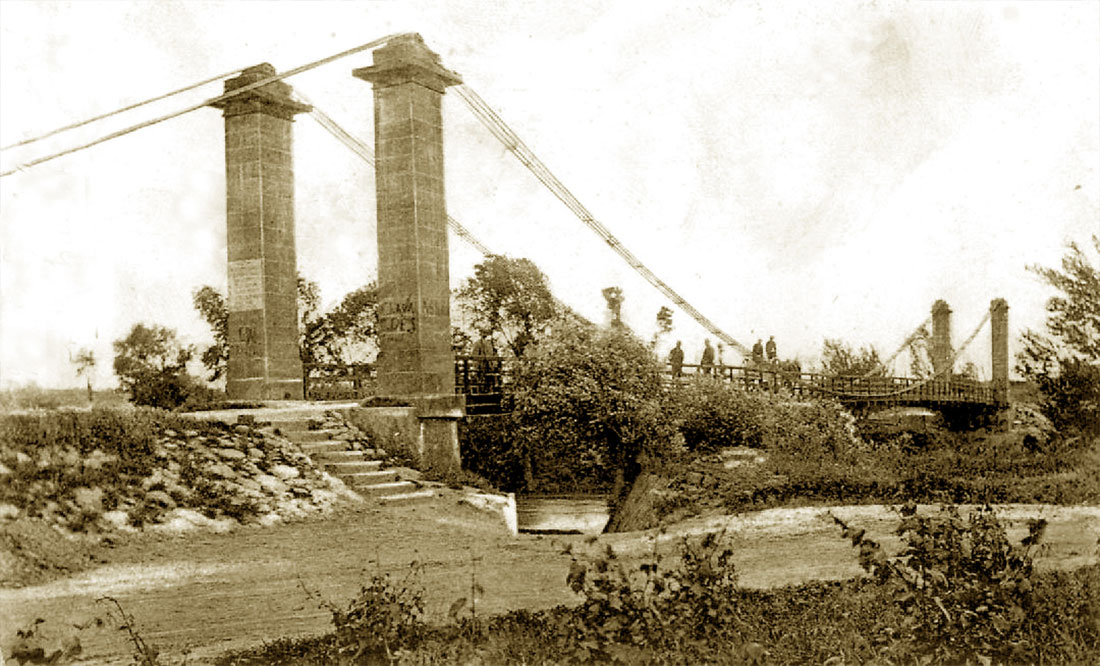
[588,403]
[614,297]
[509,296]
[85,362]
[338,336]
[342,334]
[214,311]
[309,302]
[1064,361]
[920,355]
[838,358]
[664,325]
[151,364]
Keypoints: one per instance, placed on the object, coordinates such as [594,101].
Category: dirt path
[208,593]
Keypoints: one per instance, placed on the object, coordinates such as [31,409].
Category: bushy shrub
[588,403]
[1071,399]
[713,414]
[967,594]
[486,443]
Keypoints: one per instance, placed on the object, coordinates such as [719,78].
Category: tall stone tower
[259,183]
[998,325]
[941,340]
[414,321]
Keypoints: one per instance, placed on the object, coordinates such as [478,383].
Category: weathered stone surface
[263,328]
[9,512]
[285,472]
[413,271]
[90,500]
[271,484]
[160,498]
[232,454]
[221,470]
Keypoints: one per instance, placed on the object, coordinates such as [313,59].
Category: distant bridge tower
[264,363]
[941,339]
[998,324]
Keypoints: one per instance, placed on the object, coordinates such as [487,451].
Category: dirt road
[203,594]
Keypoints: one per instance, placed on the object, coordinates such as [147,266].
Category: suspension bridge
[416,359]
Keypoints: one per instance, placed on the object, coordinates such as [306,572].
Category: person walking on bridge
[758,352]
[676,360]
[706,363]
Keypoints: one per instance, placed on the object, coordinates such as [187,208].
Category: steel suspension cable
[243,89]
[366,154]
[130,107]
[908,339]
[499,129]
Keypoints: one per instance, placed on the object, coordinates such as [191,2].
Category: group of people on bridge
[761,353]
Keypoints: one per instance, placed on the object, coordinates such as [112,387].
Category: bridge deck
[486,383]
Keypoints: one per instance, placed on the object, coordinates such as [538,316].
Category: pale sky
[803,170]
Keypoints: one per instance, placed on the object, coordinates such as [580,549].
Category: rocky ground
[207,478]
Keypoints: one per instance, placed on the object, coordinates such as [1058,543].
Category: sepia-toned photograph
[388,332]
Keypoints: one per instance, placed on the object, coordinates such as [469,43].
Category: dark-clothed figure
[758,352]
[486,362]
[706,364]
[676,360]
[770,349]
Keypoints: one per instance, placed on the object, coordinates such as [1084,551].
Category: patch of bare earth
[204,593]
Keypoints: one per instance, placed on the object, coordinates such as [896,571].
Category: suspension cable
[503,133]
[131,107]
[252,86]
[908,339]
[366,154]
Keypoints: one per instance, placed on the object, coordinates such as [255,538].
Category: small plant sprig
[143,653]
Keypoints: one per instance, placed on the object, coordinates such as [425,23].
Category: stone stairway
[360,469]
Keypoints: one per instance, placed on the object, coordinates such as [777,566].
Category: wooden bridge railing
[486,382]
[475,377]
[852,389]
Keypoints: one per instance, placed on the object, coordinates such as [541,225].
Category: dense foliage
[588,403]
[1064,361]
[510,297]
[151,365]
[345,334]
[839,359]
[812,452]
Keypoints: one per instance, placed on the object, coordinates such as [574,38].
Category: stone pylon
[415,361]
[998,325]
[264,363]
[941,340]
[414,321]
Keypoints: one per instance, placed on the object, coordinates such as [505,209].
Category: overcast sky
[802,170]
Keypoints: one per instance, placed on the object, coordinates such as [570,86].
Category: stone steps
[407,498]
[387,488]
[309,436]
[340,468]
[365,480]
[330,446]
[359,470]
